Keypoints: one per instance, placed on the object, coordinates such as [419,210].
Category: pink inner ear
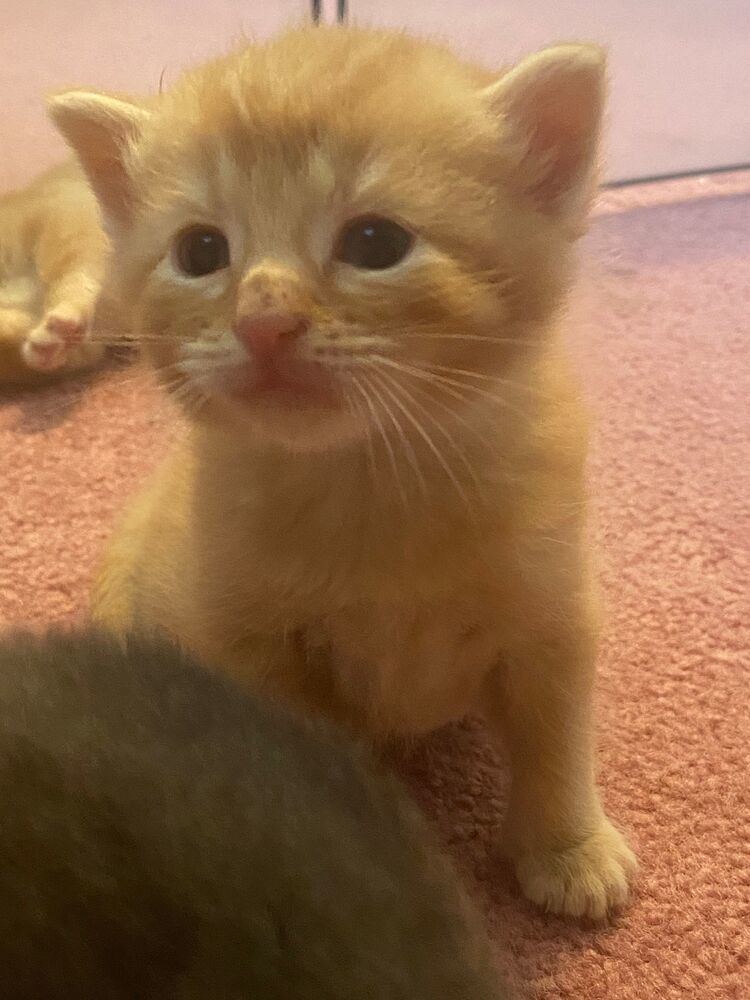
[111,185]
[559,154]
[101,131]
[558,116]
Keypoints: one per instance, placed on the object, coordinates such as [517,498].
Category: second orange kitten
[52,253]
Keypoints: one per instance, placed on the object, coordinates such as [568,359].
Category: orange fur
[409,546]
[52,254]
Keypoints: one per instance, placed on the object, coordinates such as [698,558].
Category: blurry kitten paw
[589,879]
[59,342]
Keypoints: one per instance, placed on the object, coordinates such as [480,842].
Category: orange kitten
[52,252]
[346,252]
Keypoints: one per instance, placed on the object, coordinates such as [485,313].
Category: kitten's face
[329,237]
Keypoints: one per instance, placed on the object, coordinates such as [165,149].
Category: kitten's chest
[411,667]
[310,567]
[330,540]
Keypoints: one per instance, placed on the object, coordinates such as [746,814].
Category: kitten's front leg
[61,338]
[69,258]
[568,857]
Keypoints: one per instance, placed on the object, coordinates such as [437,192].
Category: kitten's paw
[59,342]
[588,879]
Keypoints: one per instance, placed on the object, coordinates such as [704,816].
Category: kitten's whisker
[192,398]
[131,373]
[212,362]
[477,431]
[468,337]
[181,393]
[355,406]
[408,447]
[170,374]
[362,389]
[483,377]
[110,343]
[131,340]
[387,385]
[182,388]
[434,377]
[478,391]
[428,368]
[448,391]
[438,426]
[470,390]
[209,349]
[43,408]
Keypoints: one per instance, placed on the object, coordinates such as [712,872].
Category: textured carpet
[662,338]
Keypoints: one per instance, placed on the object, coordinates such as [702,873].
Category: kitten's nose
[266,334]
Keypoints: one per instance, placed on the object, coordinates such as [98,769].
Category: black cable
[677,176]
[316,10]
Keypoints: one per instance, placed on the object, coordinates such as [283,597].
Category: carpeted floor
[664,344]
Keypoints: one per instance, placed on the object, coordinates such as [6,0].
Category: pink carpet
[664,344]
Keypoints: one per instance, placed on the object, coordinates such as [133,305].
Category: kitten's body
[52,254]
[167,836]
[379,511]
[390,621]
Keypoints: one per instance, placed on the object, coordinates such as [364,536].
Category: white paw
[587,879]
[59,342]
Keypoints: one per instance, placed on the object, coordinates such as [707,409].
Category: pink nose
[266,334]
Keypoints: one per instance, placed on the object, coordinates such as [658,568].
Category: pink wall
[680,69]
[680,79]
[117,44]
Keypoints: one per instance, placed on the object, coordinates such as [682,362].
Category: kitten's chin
[304,429]
[280,416]
[300,409]
[282,385]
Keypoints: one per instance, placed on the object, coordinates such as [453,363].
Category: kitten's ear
[552,105]
[103,132]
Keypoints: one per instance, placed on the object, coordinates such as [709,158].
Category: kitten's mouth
[283,383]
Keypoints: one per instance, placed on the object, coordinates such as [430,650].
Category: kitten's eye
[201,250]
[374,243]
